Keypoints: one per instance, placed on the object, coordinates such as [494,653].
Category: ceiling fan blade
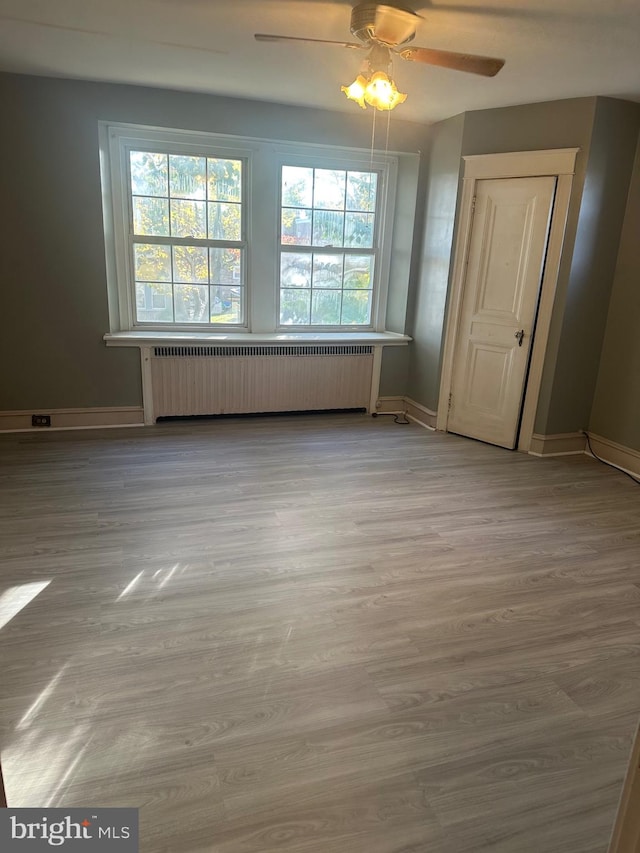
[394,26]
[487,66]
[269,37]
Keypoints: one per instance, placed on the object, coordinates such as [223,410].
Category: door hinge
[450,401]
[473,204]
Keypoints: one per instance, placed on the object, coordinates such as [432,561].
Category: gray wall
[403,240]
[616,408]
[393,376]
[53,263]
[604,197]
[435,245]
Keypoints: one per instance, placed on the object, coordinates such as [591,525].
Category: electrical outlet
[41,420]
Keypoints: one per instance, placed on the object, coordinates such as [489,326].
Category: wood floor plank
[318,634]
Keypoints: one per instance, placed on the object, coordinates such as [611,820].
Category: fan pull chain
[385,193]
[373,139]
[386,143]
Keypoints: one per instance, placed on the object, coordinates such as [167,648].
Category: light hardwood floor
[326,634]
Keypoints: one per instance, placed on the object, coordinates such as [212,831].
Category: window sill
[149,339]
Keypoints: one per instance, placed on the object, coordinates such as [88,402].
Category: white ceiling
[553,49]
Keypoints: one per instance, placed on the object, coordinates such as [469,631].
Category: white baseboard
[562,444]
[99,417]
[390,405]
[617,454]
[420,414]
[575,443]
[415,412]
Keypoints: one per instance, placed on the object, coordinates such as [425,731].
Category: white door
[504,271]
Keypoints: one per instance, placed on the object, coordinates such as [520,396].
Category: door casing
[559,163]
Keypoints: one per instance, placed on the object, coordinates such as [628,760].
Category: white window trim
[263,161]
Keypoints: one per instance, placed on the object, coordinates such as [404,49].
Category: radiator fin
[240,384]
[201,351]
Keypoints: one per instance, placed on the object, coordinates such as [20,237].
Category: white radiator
[215,380]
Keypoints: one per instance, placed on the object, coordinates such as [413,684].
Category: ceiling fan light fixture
[382,93]
[382,29]
[356,91]
[373,85]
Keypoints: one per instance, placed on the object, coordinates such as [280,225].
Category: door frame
[554,162]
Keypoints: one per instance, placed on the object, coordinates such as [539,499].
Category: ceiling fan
[384,29]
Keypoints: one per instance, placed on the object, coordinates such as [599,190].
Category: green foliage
[325,307]
[356,307]
[328,207]
[361,191]
[340,286]
[328,270]
[295,269]
[294,307]
[358,271]
[297,186]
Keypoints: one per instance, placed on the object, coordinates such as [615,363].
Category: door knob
[519,335]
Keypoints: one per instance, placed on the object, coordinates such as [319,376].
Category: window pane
[358,271]
[325,307]
[294,307]
[361,190]
[356,307]
[150,216]
[226,305]
[191,303]
[297,186]
[190,264]
[225,180]
[153,303]
[148,173]
[225,266]
[187,176]
[327,271]
[188,219]
[358,230]
[328,189]
[296,227]
[224,221]
[295,270]
[328,228]
[151,262]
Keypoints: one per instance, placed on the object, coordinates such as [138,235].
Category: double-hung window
[176,219]
[209,233]
[185,230]
[328,246]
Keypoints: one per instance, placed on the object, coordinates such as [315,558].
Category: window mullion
[329,250]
